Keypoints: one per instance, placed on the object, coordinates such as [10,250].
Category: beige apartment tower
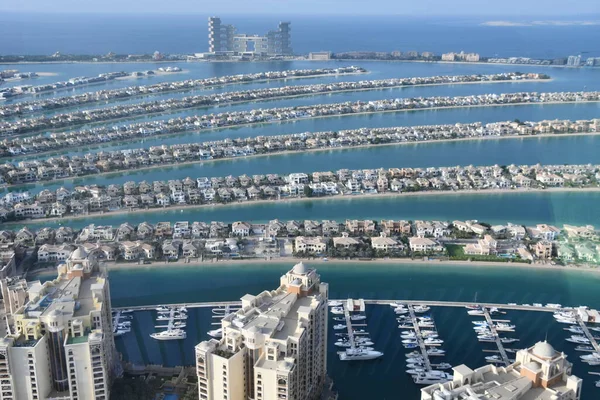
[273,348]
[61,343]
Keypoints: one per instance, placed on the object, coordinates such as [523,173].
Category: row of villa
[92,163]
[400,238]
[198,123]
[80,117]
[156,88]
[218,190]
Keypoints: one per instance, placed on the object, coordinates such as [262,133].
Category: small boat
[415,360]
[409,341]
[475,312]
[473,307]
[342,344]
[162,309]
[430,378]
[171,334]
[410,345]
[340,319]
[421,309]
[493,359]
[359,355]
[397,305]
[337,310]
[335,303]
[508,340]
[126,311]
[552,305]
[216,333]
[415,370]
[413,354]
[339,326]
[442,366]
[218,311]
[574,329]
[584,348]
[433,342]
[436,352]
[358,317]
[578,339]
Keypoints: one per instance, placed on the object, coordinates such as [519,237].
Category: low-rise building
[310,244]
[539,372]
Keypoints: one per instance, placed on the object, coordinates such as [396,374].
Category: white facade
[273,348]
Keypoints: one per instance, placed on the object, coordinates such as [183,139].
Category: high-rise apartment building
[61,343]
[273,348]
[539,372]
[574,61]
[224,38]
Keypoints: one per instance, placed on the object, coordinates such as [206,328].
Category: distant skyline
[578,10]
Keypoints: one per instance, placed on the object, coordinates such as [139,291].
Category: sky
[504,8]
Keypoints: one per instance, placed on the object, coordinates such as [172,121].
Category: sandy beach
[469,192]
[306,151]
[288,261]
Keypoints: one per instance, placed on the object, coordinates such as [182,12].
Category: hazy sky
[487,8]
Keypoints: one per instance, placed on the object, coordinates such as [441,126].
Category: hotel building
[539,372]
[224,38]
[61,343]
[274,347]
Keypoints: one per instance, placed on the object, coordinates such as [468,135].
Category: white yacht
[415,360]
[339,326]
[436,352]
[552,305]
[433,342]
[216,333]
[585,348]
[339,319]
[415,370]
[335,303]
[441,366]
[475,312]
[574,329]
[358,317]
[359,354]
[591,357]
[409,335]
[337,310]
[397,305]
[409,341]
[413,354]
[493,358]
[421,309]
[431,377]
[508,340]
[162,308]
[504,327]
[578,339]
[171,334]
[342,344]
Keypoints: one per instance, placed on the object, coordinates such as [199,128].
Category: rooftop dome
[544,350]
[300,268]
[79,254]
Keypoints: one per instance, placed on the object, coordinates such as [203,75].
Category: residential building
[345,241]
[543,249]
[539,372]
[423,245]
[55,253]
[383,242]
[273,348]
[241,228]
[310,244]
[486,246]
[61,345]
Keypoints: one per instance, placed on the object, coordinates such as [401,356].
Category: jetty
[497,340]
[419,336]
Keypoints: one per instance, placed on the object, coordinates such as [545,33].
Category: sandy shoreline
[292,152]
[266,100]
[303,199]
[289,261]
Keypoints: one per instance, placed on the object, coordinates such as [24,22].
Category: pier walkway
[349,326]
[435,303]
[492,327]
[417,329]
[588,334]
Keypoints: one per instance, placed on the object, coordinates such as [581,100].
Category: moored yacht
[359,354]
[431,377]
[216,333]
[171,334]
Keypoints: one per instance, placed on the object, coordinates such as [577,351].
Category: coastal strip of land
[166,106]
[93,200]
[197,123]
[67,168]
[33,106]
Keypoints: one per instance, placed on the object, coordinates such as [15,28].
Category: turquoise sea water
[366,280]
[493,284]
[522,208]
